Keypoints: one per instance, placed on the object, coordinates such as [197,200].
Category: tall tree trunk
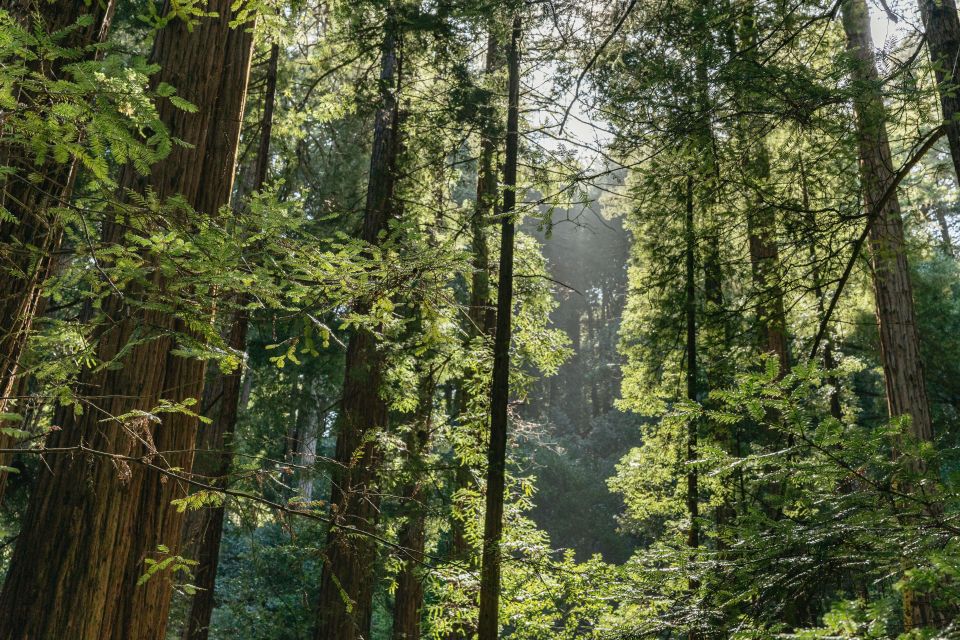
[28,242]
[762,222]
[92,521]
[203,529]
[488,627]
[817,281]
[693,489]
[348,572]
[480,316]
[942,27]
[896,318]
[408,604]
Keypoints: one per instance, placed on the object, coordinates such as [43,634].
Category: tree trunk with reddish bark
[92,520]
[896,318]
[28,243]
[348,572]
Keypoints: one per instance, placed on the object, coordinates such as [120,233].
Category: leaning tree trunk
[93,520]
[29,240]
[896,318]
[348,571]
[203,529]
[488,627]
[942,27]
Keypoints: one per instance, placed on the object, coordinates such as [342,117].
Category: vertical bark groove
[91,523]
[26,246]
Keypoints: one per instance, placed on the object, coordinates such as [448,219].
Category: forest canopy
[479,319]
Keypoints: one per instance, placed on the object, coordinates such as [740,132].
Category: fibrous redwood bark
[896,319]
[488,625]
[203,529]
[28,242]
[348,571]
[942,26]
[93,521]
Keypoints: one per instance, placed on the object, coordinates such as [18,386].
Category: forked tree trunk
[92,521]
[488,627]
[942,27]
[28,242]
[203,530]
[348,572]
[896,318]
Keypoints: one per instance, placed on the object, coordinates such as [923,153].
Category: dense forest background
[456,319]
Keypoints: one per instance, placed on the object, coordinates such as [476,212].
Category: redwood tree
[203,529]
[488,626]
[942,27]
[94,518]
[348,571]
[29,239]
[896,319]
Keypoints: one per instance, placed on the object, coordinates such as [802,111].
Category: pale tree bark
[92,522]
[488,626]
[28,243]
[348,572]
[896,319]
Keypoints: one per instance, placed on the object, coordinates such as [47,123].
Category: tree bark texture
[203,529]
[28,243]
[92,522]
[896,319]
[348,572]
[488,627]
[762,222]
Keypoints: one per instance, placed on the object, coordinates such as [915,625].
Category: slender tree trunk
[28,242]
[941,217]
[942,27]
[828,361]
[203,530]
[488,627]
[693,490]
[896,318]
[761,224]
[408,604]
[92,522]
[348,572]
[480,317]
